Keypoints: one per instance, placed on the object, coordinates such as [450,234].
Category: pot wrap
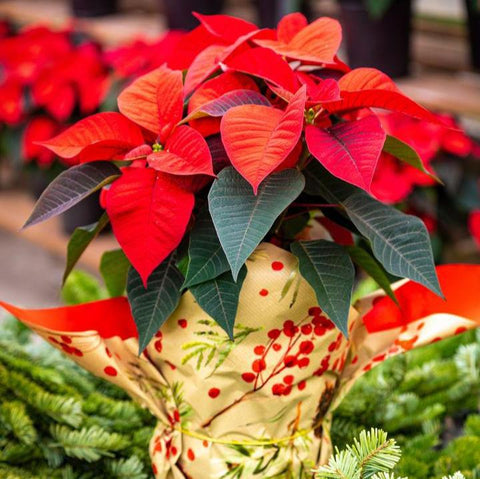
[259,406]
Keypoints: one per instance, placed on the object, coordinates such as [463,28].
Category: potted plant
[90,8]
[378,34]
[473,19]
[49,79]
[237,330]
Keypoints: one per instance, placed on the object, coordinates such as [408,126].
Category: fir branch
[13,414]
[131,468]
[372,453]
[88,444]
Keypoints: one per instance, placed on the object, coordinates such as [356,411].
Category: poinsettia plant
[48,77]
[446,151]
[241,137]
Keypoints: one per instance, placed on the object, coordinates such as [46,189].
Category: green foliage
[418,396]
[372,267]
[58,421]
[79,241]
[207,259]
[71,187]
[399,242]
[405,152]
[372,455]
[219,298]
[151,306]
[88,443]
[329,270]
[241,218]
[114,267]
[81,287]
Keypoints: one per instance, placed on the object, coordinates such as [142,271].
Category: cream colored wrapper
[259,406]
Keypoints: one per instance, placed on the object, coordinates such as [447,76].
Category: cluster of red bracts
[273,95]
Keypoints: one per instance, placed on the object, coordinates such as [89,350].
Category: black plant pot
[382,43]
[473,18]
[85,213]
[179,12]
[37,181]
[93,8]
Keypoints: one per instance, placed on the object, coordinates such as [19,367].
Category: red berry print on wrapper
[158,345]
[110,371]
[289,329]
[303,362]
[274,333]
[306,329]
[259,350]
[306,347]
[277,266]
[278,389]
[214,392]
[248,377]
[182,323]
[263,292]
[259,365]
[191,455]
[66,345]
[290,361]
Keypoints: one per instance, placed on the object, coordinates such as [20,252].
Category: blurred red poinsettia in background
[393,180]
[141,56]
[37,129]
[47,79]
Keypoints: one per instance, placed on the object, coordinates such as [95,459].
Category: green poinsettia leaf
[371,266]
[79,241]
[71,187]
[114,267]
[207,259]
[152,306]
[241,218]
[400,242]
[329,270]
[219,297]
[407,154]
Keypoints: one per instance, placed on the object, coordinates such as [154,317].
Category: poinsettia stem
[303,161]
[280,221]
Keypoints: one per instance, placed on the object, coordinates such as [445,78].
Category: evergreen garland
[371,456]
[58,421]
[419,397]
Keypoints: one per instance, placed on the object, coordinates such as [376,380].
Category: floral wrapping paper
[259,406]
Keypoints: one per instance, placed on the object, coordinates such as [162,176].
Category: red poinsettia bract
[279,98]
[148,209]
